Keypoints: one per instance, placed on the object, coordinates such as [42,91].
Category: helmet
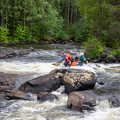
[81,53]
[69,54]
[65,55]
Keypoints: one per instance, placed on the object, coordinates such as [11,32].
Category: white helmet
[81,53]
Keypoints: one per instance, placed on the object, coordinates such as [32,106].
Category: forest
[91,22]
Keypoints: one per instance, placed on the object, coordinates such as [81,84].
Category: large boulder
[46,83]
[82,100]
[79,81]
[74,80]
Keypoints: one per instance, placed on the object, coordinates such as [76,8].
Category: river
[39,62]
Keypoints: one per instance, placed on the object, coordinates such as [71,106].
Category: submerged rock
[44,96]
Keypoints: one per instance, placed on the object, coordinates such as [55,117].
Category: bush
[115,52]
[4,34]
[62,35]
[93,48]
[22,34]
[81,31]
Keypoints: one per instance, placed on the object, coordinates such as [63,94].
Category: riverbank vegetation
[61,20]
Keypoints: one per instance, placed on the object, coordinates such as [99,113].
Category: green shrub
[115,52]
[81,30]
[62,35]
[4,34]
[22,34]
[93,48]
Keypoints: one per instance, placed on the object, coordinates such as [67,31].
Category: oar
[57,63]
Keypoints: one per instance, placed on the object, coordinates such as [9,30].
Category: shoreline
[6,51]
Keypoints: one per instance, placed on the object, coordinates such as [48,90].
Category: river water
[39,62]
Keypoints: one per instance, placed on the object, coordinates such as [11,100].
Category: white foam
[26,67]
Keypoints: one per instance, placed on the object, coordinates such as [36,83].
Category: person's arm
[63,58]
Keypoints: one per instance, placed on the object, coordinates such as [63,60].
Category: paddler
[67,58]
[80,59]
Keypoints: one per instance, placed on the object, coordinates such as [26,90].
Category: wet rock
[105,57]
[44,96]
[110,92]
[2,96]
[82,100]
[79,81]
[4,88]
[12,52]
[46,83]
[2,56]
[13,94]
[7,81]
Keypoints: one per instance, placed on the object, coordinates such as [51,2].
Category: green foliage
[115,52]
[62,35]
[22,34]
[4,34]
[39,31]
[93,48]
[59,19]
[82,31]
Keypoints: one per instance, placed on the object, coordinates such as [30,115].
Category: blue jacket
[82,58]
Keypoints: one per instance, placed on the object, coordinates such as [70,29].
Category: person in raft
[67,58]
[80,59]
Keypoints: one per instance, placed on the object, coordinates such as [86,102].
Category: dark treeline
[47,20]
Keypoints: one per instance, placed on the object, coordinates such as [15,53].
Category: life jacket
[74,63]
[67,59]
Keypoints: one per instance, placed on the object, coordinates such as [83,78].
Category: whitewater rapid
[40,63]
[56,110]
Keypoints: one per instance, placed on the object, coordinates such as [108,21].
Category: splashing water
[40,63]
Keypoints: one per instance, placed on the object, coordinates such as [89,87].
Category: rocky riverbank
[7,52]
[12,52]
[105,58]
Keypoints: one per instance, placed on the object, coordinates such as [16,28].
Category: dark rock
[46,83]
[112,58]
[2,96]
[4,88]
[12,52]
[13,94]
[110,92]
[82,100]
[7,79]
[44,96]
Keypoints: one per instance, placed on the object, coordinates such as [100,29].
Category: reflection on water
[39,63]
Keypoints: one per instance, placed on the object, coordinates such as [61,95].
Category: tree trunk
[68,13]
[2,17]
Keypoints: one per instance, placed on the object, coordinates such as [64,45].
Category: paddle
[57,63]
